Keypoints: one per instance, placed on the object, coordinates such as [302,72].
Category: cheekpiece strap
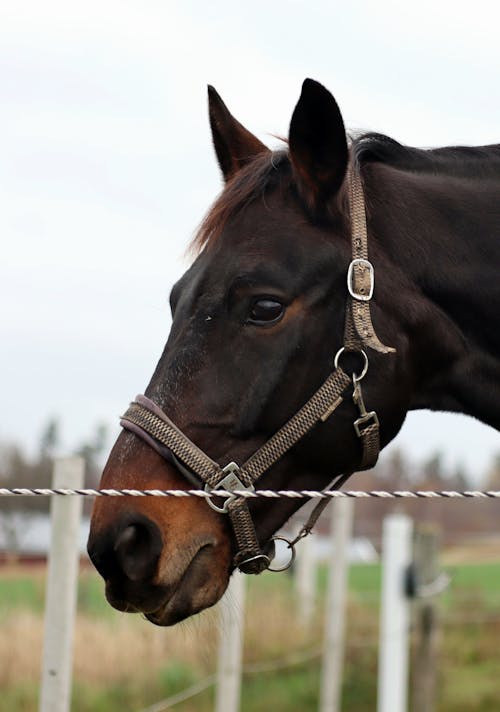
[360,277]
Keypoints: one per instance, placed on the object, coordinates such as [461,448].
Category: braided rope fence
[271,494]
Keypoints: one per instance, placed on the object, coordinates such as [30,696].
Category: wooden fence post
[232,623]
[394,615]
[61,592]
[333,655]
[427,625]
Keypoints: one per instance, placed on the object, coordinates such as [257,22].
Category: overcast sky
[106,168]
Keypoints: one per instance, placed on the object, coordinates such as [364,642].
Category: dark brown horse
[259,317]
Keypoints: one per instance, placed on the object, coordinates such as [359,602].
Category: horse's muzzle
[128,557]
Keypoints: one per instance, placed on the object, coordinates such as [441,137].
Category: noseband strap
[146,419]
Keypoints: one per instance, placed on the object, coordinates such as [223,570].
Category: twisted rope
[271,494]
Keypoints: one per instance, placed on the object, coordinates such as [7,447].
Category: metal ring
[292,555]
[364,370]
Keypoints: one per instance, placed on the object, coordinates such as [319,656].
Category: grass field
[123,664]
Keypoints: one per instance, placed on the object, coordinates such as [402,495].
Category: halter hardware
[355,377]
[362,294]
[366,418]
[287,564]
[230,483]
[146,419]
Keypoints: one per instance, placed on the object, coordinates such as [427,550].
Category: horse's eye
[266,311]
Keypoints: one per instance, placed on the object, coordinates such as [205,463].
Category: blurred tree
[459,479]
[493,476]
[49,439]
[432,469]
[91,450]
[396,471]
[18,470]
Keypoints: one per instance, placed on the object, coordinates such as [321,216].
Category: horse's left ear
[234,145]
[318,145]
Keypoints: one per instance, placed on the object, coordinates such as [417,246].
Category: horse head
[256,323]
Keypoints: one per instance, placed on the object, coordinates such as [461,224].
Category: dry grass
[105,650]
[121,646]
[128,646]
[477,550]
[20,648]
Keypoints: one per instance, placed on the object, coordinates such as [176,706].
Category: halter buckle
[230,483]
[365,421]
[366,264]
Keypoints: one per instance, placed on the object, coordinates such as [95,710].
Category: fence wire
[248,494]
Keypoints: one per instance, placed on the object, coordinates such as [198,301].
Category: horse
[317,260]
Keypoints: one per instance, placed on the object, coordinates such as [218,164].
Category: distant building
[26,536]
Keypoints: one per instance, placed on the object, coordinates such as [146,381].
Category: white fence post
[62,576]
[305,580]
[333,655]
[232,623]
[394,615]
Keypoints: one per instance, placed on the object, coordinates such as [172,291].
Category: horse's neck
[444,234]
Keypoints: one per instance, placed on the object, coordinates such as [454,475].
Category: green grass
[468,580]
[475,583]
[23,591]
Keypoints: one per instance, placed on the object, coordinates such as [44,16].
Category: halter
[148,421]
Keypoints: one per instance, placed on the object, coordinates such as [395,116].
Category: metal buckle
[350,274]
[229,483]
[361,423]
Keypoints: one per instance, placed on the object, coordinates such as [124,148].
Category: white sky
[106,167]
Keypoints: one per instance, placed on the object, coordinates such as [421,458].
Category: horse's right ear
[318,145]
[234,145]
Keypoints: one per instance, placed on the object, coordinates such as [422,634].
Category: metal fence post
[62,578]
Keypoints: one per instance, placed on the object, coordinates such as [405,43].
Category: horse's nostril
[131,550]
[137,549]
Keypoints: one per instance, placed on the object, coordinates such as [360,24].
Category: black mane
[267,169]
[458,161]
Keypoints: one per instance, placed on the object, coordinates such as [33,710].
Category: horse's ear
[234,145]
[318,145]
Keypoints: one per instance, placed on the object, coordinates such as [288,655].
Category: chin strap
[146,419]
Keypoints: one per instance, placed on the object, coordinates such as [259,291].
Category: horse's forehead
[269,238]
[254,260]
